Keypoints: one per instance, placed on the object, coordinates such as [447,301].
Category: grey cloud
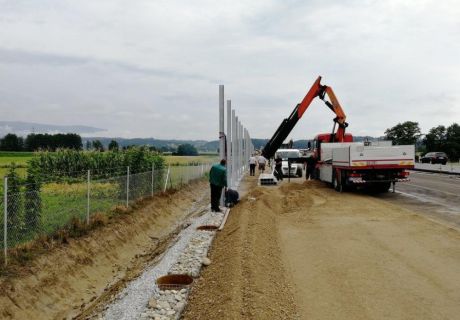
[9,56]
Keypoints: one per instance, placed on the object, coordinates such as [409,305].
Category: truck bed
[359,156]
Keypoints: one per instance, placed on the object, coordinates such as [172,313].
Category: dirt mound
[71,278]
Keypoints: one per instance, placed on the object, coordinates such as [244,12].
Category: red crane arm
[314,91]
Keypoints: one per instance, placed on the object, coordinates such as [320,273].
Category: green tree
[14,207]
[11,142]
[98,146]
[113,145]
[186,150]
[88,145]
[403,133]
[52,142]
[453,142]
[435,139]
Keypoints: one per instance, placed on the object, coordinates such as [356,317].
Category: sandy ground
[73,279]
[303,251]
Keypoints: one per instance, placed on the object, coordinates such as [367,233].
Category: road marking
[431,189]
[450,209]
[449,183]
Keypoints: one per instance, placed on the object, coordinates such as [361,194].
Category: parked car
[434,157]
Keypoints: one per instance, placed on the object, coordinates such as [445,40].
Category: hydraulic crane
[286,126]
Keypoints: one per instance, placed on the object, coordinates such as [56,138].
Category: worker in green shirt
[217,180]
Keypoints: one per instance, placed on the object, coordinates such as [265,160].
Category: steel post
[88,191]
[229,143]
[153,171]
[221,123]
[127,187]
[5,219]
[167,177]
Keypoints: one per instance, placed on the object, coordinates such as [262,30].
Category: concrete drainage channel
[161,292]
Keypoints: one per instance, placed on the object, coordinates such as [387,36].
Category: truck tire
[381,187]
[299,172]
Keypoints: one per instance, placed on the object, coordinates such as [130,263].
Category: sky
[152,68]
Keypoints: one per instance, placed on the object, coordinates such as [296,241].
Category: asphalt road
[434,195]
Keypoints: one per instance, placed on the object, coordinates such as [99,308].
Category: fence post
[5,219]
[127,187]
[153,170]
[167,177]
[88,187]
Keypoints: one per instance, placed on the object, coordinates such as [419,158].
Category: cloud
[152,68]
[9,56]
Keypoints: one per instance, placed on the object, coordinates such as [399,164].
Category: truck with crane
[340,161]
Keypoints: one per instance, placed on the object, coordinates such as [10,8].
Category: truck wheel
[382,187]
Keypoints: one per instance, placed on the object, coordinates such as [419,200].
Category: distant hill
[24,128]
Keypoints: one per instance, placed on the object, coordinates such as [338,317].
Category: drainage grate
[174,282]
[207,227]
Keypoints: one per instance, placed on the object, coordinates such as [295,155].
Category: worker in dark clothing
[311,164]
[217,180]
[252,165]
[278,170]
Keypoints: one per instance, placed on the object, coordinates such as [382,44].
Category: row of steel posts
[234,143]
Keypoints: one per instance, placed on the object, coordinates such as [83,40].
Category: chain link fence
[27,212]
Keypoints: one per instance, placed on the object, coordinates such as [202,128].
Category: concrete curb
[437,171]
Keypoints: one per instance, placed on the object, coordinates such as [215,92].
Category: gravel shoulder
[72,280]
[303,251]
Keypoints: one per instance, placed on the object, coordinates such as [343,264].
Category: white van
[285,154]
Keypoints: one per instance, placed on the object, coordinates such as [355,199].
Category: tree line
[41,141]
[53,142]
[439,138]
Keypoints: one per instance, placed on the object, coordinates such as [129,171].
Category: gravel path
[132,302]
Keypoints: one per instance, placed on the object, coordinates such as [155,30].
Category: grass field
[191,160]
[18,158]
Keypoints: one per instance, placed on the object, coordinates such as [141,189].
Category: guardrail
[450,168]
